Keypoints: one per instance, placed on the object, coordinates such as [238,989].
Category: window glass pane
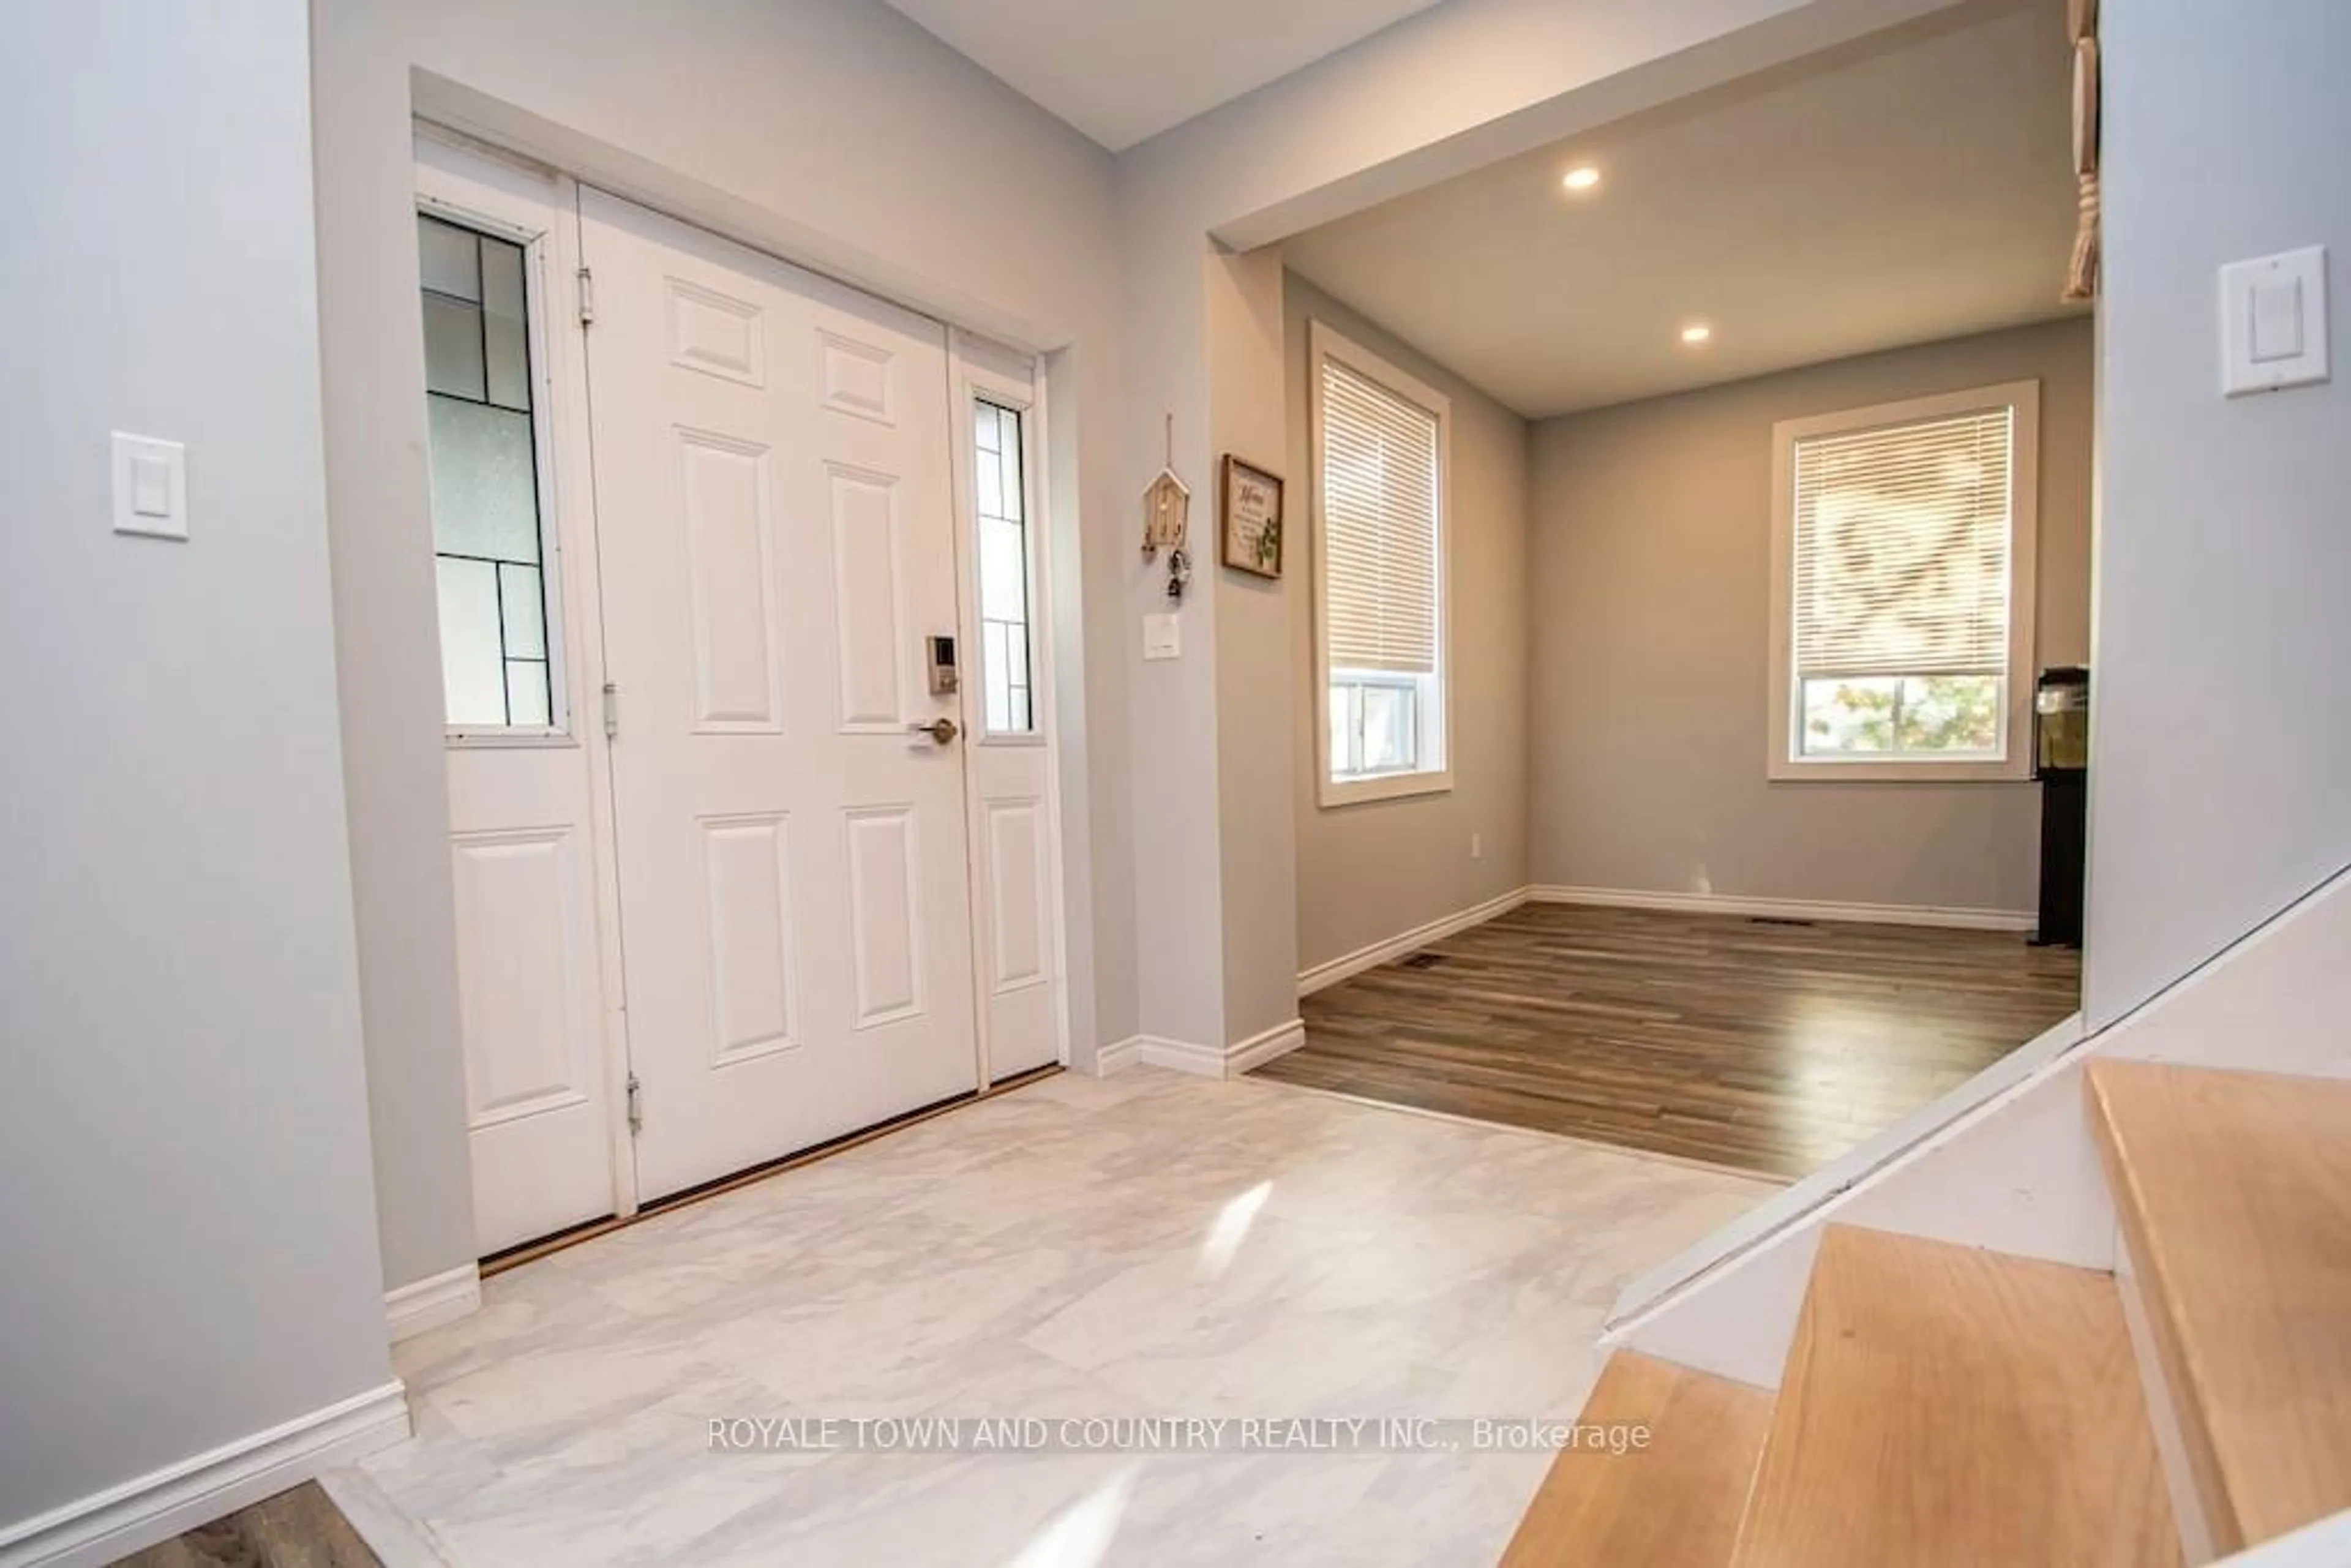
[1016,661]
[1950,713]
[452,347]
[1900,715]
[527,697]
[1376,725]
[485,490]
[996,678]
[506,331]
[1003,571]
[524,612]
[1005,651]
[448,258]
[1016,505]
[991,486]
[1849,717]
[473,677]
[1388,713]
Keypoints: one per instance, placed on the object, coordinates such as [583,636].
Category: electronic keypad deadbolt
[944,682]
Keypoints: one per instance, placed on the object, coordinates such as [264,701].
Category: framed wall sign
[1252,517]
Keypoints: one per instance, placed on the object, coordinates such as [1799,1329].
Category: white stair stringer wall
[2019,1172]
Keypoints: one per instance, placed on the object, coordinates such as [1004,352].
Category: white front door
[776,529]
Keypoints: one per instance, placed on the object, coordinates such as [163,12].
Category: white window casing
[1904,538]
[1382,468]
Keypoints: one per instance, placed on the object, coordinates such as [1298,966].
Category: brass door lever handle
[942,731]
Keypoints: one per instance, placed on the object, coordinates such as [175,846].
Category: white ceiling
[1124,70]
[1917,188]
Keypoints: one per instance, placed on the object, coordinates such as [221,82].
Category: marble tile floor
[1148,1244]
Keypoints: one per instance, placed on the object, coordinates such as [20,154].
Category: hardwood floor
[1760,1045]
[1676,1499]
[2234,1192]
[300,1528]
[1953,1406]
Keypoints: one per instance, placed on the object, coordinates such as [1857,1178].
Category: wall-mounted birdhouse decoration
[1166,510]
[1166,520]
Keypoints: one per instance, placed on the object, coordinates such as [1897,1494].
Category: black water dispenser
[2061,761]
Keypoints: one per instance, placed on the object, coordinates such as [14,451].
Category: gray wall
[832,132]
[1370,871]
[2220,791]
[1651,583]
[184,1198]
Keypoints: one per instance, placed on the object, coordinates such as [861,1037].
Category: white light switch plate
[150,487]
[2274,322]
[1163,636]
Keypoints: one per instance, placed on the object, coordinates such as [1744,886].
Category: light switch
[1163,636]
[150,489]
[2274,322]
[151,484]
[2277,321]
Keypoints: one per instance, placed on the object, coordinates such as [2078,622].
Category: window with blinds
[1380,443]
[1899,539]
[1379,514]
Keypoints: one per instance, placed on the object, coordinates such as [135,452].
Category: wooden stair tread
[1672,1503]
[1944,1404]
[2234,1193]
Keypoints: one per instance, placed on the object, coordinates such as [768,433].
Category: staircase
[1947,1405]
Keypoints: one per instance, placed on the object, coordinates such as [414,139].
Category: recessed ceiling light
[1698,334]
[1583,179]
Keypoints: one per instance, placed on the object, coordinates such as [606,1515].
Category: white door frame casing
[976,364]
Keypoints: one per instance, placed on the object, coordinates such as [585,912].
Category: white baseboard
[1202,1061]
[1259,1049]
[1348,965]
[1118,1056]
[1183,1056]
[113,1524]
[428,1303]
[1789,908]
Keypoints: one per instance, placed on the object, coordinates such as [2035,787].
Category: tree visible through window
[1919,714]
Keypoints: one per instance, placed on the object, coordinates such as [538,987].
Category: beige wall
[1375,870]
[1651,550]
